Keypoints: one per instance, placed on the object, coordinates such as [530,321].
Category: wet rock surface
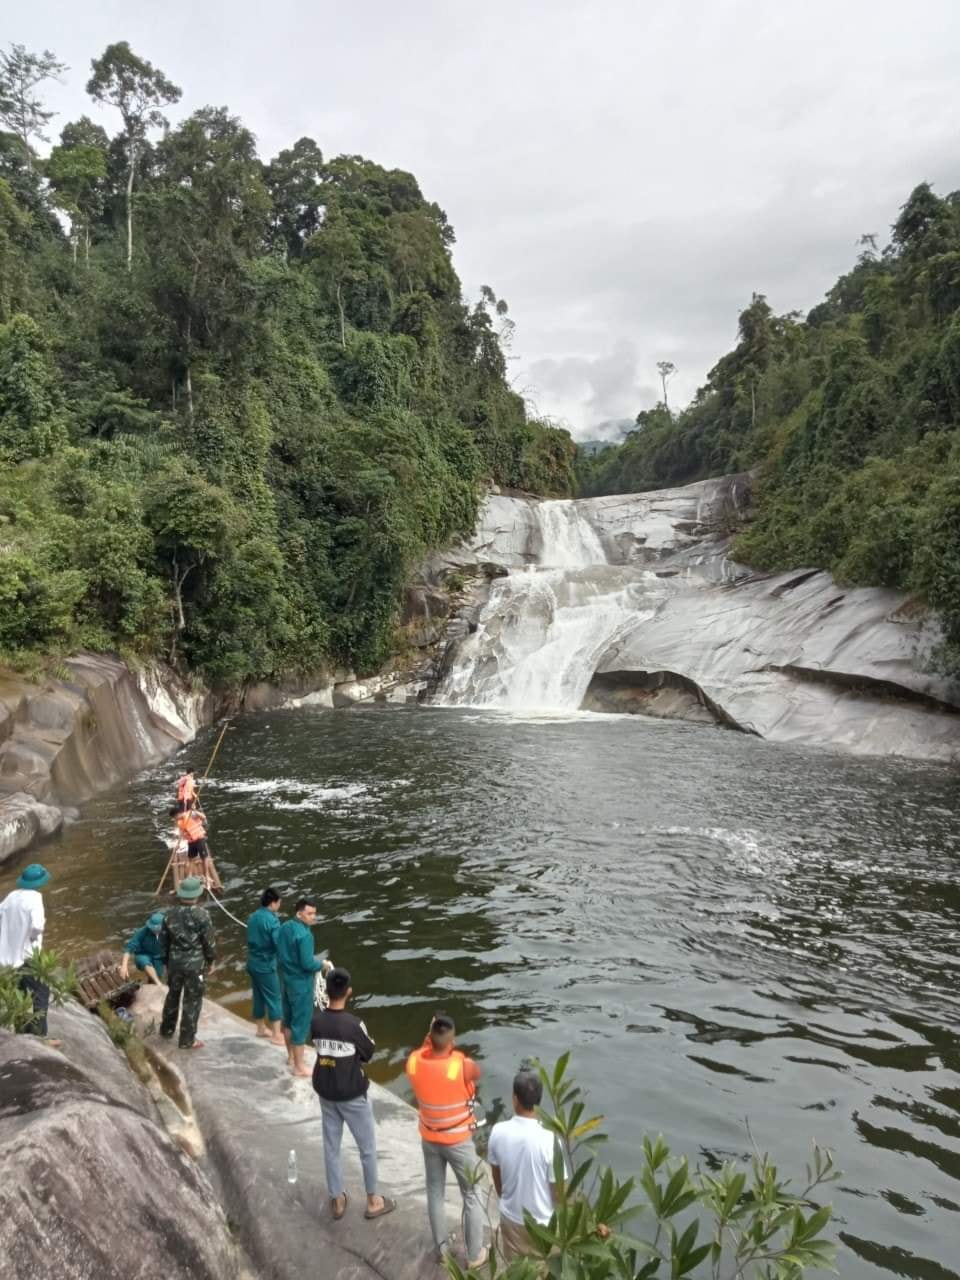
[90,1185]
[651,601]
[252,1112]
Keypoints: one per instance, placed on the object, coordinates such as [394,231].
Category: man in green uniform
[146,950]
[186,938]
[262,930]
[298,965]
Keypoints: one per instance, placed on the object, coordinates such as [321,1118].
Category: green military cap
[156,920]
[190,889]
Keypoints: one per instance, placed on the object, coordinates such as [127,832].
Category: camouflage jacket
[186,939]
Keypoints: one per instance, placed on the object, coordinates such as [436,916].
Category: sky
[625,173]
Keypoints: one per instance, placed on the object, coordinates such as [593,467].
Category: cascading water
[543,630]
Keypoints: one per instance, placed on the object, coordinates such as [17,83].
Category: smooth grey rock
[23,821]
[89,1185]
[252,1112]
[791,656]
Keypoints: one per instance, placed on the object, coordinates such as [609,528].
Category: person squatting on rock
[147,950]
[22,921]
[187,943]
[444,1082]
[520,1154]
[343,1045]
[263,928]
[297,965]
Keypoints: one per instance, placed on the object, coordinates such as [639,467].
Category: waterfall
[544,629]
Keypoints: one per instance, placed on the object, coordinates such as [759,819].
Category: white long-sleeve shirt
[21,926]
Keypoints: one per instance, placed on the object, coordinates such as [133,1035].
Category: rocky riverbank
[185,1174]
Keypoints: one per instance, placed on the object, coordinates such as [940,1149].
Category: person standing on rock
[298,967]
[187,944]
[444,1082]
[146,949]
[343,1045]
[263,928]
[22,921]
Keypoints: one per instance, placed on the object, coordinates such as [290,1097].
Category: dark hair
[175,810]
[305,902]
[528,1089]
[442,1027]
[269,897]
[338,983]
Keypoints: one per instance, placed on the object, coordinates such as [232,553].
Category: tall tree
[77,171]
[138,90]
[21,110]
[666,369]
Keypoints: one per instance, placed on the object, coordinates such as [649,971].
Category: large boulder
[90,1185]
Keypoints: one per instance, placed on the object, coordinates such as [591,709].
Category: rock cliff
[633,603]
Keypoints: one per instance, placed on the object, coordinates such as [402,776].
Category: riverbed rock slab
[89,1186]
[24,821]
[252,1112]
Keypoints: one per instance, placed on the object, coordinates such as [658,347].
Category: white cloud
[624,173]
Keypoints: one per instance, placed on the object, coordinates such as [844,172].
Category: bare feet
[55,1044]
[305,1072]
[279,1041]
[264,1034]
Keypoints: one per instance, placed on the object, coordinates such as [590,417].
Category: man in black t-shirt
[343,1046]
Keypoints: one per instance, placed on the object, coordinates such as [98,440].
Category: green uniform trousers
[298,1008]
[185,984]
[266,995]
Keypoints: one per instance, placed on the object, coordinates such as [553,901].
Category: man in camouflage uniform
[186,940]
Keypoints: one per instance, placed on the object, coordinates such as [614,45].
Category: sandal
[388,1207]
[337,1216]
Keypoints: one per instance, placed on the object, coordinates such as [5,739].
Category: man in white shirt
[521,1161]
[21,933]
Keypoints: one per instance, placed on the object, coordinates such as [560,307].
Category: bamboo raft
[180,866]
[99,978]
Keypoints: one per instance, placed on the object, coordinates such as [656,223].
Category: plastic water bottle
[292,1166]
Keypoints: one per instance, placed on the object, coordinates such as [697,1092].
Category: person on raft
[146,949]
[263,927]
[298,965]
[186,790]
[192,826]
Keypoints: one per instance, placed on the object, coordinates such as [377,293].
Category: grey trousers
[357,1115]
[463,1160]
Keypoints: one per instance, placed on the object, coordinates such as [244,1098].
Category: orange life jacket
[186,789]
[443,1096]
[191,828]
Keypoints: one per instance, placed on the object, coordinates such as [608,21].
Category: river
[724,930]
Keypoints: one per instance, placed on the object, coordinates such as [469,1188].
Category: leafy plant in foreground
[727,1225]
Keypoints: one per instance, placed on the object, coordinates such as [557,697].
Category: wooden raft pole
[178,862]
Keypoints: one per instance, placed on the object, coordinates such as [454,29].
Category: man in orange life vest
[192,827]
[186,791]
[444,1081]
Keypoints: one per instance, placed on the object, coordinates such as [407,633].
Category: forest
[239,397]
[848,418]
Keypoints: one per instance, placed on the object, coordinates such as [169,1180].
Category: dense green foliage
[850,417]
[668,1220]
[237,399]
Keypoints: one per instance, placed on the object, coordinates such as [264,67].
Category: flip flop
[197,1044]
[337,1216]
[388,1207]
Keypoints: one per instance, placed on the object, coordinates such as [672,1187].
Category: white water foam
[543,631]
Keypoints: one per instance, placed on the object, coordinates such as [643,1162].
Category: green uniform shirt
[145,943]
[263,928]
[187,939]
[295,952]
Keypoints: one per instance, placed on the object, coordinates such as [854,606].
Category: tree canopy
[227,438]
[849,418]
